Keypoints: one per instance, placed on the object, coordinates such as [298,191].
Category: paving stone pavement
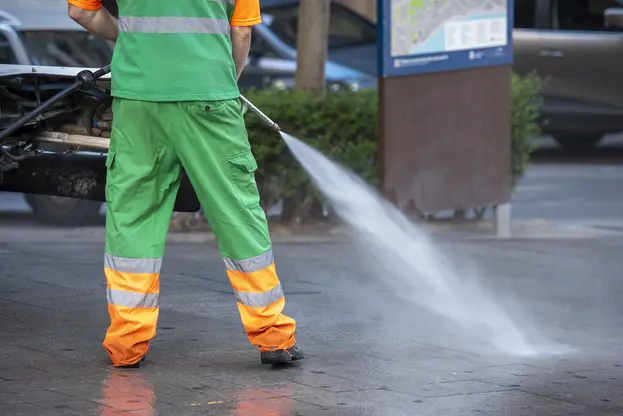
[369,352]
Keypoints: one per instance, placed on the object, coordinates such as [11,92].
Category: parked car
[39,32]
[564,41]
[567,42]
[352,37]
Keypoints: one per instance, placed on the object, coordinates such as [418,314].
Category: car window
[525,13]
[580,14]
[67,48]
[7,56]
[346,28]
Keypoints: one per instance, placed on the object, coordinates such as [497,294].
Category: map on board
[437,26]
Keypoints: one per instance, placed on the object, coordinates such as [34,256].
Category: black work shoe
[135,365]
[282,356]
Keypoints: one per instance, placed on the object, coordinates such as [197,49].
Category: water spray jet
[408,261]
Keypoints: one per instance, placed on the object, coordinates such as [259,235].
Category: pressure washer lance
[263,117]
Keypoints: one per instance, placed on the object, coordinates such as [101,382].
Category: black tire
[60,211]
[578,143]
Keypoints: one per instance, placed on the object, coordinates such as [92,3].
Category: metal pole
[265,119]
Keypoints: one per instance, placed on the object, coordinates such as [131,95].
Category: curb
[521,230]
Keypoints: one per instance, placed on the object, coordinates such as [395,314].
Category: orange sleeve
[86,4]
[246,13]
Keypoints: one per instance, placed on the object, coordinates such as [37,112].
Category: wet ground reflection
[127,391]
[267,401]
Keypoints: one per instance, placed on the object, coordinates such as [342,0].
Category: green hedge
[344,126]
[526,102]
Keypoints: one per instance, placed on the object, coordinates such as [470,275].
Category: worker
[176,105]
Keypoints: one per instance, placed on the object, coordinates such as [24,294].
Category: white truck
[55,126]
[37,37]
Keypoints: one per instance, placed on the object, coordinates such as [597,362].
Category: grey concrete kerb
[530,229]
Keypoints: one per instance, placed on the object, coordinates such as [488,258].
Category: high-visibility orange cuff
[267,328]
[86,4]
[129,333]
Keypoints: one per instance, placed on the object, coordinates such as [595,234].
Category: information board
[422,36]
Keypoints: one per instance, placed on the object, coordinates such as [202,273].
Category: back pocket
[208,107]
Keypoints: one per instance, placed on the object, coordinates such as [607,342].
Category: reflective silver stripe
[260,299]
[232,2]
[202,25]
[253,264]
[127,265]
[132,299]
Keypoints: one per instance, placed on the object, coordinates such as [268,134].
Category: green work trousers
[150,144]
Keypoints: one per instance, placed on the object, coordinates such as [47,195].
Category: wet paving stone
[366,355]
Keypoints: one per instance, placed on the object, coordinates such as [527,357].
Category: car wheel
[56,210]
[578,143]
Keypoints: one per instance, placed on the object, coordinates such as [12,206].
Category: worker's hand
[243,107]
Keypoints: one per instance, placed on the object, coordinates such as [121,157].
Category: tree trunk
[312,45]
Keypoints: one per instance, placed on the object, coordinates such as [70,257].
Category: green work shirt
[174,50]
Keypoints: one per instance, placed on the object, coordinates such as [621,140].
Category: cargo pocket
[110,162]
[110,158]
[243,167]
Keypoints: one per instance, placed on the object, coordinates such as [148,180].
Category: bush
[344,126]
[526,101]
